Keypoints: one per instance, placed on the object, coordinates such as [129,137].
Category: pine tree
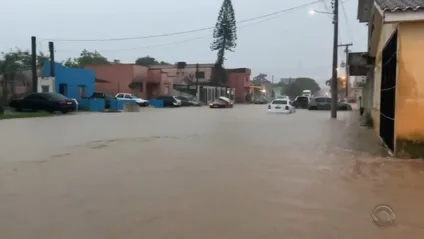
[225,32]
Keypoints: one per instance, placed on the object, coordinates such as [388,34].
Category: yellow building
[396,80]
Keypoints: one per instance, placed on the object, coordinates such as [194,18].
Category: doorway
[388,92]
[63,89]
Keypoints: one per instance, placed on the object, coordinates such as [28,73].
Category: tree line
[20,60]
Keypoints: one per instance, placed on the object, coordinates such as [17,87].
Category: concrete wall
[119,76]
[239,81]
[46,81]
[73,78]
[410,83]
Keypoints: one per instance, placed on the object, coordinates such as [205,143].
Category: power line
[174,42]
[346,21]
[181,32]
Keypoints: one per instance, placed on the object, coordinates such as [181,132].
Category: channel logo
[383,215]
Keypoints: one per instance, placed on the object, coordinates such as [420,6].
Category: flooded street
[194,173]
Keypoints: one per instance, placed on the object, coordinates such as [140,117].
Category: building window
[63,89]
[45,89]
[82,91]
[201,75]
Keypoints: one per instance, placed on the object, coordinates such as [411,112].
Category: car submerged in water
[281,106]
[301,102]
[221,102]
[324,103]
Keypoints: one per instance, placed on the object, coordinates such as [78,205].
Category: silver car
[324,103]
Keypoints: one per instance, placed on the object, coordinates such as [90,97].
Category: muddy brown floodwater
[195,173]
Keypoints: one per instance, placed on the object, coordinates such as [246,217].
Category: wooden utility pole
[346,46]
[197,81]
[34,64]
[52,68]
[334,82]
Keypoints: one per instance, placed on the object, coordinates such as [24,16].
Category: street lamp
[313,12]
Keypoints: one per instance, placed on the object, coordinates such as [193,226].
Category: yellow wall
[410,83]
[386,32]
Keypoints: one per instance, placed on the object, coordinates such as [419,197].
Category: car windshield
[302,99]
[181,98]
[279,102]
[133,96]
[224,99]
[56,96]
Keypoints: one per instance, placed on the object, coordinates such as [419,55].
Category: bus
[307,93]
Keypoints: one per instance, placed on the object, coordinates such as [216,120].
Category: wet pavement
[195,173]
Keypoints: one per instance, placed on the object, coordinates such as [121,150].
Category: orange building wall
[410,83]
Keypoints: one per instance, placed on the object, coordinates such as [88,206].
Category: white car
[128,96]
[281,106]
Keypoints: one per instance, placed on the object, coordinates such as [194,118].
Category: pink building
[149,82]
[239,79]
[130,78]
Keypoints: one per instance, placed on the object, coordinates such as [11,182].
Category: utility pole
[197,81]
[34,64]
[51,50]
[335,4]
[346,46]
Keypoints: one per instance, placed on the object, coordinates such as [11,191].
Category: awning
[97,80]
[359,63]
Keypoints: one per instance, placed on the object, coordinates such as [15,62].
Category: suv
[324,103]
[169,101]
[301,102]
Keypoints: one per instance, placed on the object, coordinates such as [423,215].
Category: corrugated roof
[400,5]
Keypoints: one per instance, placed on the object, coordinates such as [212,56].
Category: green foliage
[225,32]
[260,79]
[86,58]
[18,60]
[300,84]
[15,115]
[147,61]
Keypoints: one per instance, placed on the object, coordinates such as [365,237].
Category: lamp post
[334,85]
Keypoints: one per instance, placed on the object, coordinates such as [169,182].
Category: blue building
[72,82]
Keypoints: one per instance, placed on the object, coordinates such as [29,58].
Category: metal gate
[388,92]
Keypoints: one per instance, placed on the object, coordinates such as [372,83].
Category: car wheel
[64,111]
[313,108]
[343,108]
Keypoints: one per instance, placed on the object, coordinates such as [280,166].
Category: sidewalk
[356,137]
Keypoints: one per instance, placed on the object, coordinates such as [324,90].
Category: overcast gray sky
[287,45]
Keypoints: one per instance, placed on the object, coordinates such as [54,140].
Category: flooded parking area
[205,173]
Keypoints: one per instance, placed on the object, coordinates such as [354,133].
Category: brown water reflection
[237,173]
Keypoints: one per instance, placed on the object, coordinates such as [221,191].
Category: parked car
[49,102]
[301,102]
[281,106]
[221,102]
[261,101]
[187,102]
[101,95]
[128,96]
[324,103]
[169,101]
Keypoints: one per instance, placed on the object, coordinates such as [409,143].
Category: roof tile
[400,5]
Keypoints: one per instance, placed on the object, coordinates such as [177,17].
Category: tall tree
[148,60]
[300,84]
[225,32]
